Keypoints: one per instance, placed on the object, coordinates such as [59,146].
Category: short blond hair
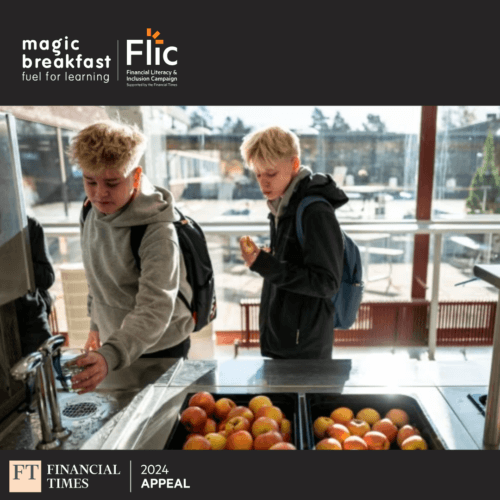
[108,144]
[269,145]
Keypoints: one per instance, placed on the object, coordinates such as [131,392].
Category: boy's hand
[95,372]
[249,250]
[93,341]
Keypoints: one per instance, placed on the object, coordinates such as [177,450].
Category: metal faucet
[29,367]
[51,350]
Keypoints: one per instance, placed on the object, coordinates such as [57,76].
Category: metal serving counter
[148,420]
[144,417]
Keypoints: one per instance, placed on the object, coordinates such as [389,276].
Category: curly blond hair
[269,145]
[109,144]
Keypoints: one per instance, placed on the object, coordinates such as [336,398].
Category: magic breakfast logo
[62,59]
[150,62]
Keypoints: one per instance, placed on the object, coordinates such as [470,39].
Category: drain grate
[78,410]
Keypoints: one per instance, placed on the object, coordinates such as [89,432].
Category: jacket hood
[307,183]
[323,185]
[151,204]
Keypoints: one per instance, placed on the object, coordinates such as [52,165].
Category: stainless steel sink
[84,415]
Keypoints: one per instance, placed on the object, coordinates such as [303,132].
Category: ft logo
[25,476]
[159,53]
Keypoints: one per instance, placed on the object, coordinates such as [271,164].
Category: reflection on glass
[14,264]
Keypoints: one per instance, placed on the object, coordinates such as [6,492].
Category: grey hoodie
[136,312]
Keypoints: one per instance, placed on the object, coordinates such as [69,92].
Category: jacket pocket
[288,318]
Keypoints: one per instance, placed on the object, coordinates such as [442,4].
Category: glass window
[466,178]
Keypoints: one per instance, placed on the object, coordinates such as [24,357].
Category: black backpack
[200,273]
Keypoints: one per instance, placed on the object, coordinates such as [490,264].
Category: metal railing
[435,228]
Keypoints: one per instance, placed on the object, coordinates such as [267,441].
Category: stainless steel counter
[146,421]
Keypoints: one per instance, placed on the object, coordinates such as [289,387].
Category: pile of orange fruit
[367,430]
[221,424]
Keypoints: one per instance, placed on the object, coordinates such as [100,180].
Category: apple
[376,440]
[358,427]
[398,417]
[369,415]
[258,401]
[328,444]
[210,426]
[287,437]
[238,423]
[354,443]
[217,441]
[194,418]
[283,446]
[270,411]
[222,408]
[243,411]
[266,440]
[286,426]
[414,443]
[204,400]
[239,440]
[197,443]
[387,427]
[342,415]
[264,424]
[405,432]
[320,425]
[338,431]
[222,425]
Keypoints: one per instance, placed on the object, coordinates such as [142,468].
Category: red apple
[320,425]
[414,443]
[238,423]
[194,418]
[264,424]
[266,440]
[328,444]
[387,427]
[197,443]
[239,440]
[270,411]
[258,401]
[283,446]
[204,400]
[222,408]
[376,440]
[243,411]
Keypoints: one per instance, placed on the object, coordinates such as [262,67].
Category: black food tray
[288,402]
[322,405]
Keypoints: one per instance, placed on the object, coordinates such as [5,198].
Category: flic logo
[25,476]
[159,54]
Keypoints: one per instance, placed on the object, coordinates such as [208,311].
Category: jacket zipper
[297,338]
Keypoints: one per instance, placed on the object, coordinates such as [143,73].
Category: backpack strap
[85,209]
[300,211]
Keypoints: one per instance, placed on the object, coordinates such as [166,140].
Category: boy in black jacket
[296,313]
[33,309]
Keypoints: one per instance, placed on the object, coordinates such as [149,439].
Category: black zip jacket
[296,313]
[33,308]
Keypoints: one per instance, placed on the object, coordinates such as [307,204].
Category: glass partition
[16,270]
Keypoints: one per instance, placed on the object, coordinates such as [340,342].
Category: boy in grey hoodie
[133,312]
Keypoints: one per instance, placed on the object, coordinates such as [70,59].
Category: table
[367,249]
[491,274]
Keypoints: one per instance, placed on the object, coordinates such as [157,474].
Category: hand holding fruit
[249,250]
